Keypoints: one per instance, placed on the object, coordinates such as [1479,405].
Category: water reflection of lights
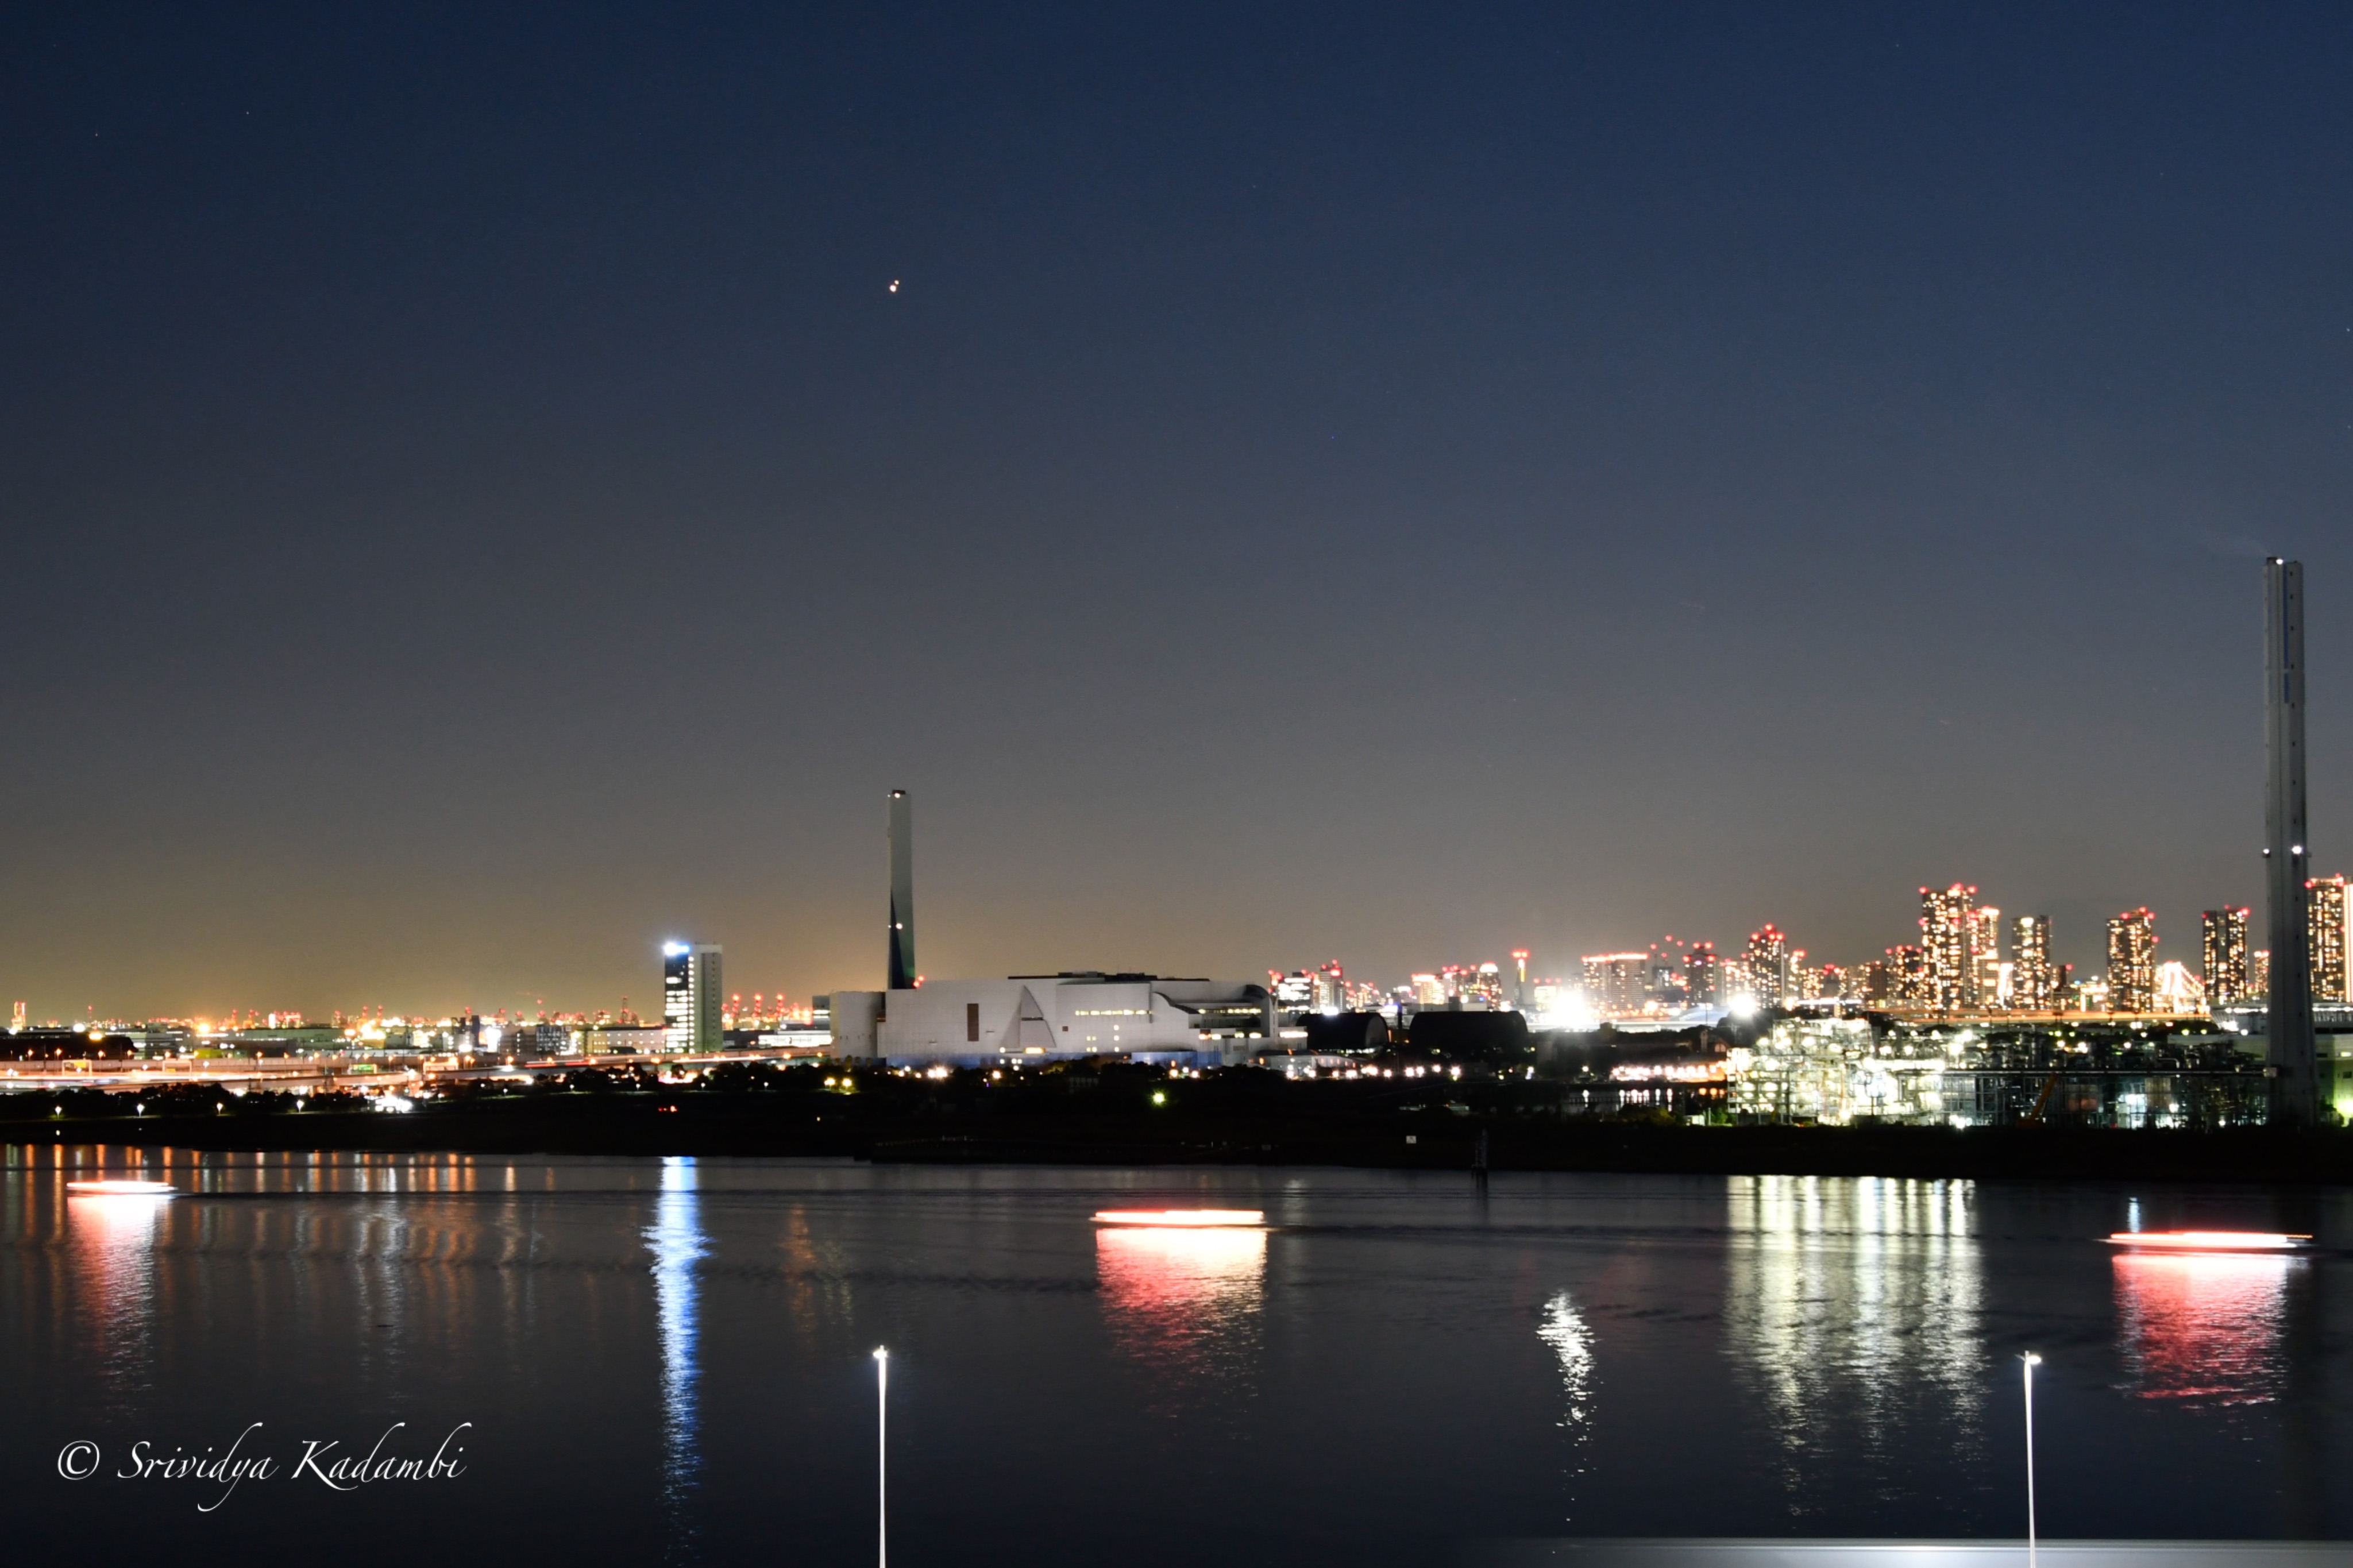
[112,1240]
[1572,1343]
[677,1239]
[2205,1327]
[1184,1301]
[1563,1332]
[1854,1306]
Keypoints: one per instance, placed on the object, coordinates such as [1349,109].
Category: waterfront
[667,1360]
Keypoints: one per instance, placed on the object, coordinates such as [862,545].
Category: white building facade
[1030,1019]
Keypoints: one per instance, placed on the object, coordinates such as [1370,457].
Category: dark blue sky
[1392,484]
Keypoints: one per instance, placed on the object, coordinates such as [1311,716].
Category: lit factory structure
[1028,1019]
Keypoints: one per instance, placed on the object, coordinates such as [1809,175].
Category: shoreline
[2236,1155]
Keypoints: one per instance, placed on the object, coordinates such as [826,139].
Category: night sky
[1391,484]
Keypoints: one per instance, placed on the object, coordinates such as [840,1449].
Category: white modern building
[1029,1019]
[690,996]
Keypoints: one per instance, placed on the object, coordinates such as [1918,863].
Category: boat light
[124,1189]
[1181,1217]
[2210,1240]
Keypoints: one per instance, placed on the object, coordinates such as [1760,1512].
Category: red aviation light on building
[1190,1218]
[2209,1241]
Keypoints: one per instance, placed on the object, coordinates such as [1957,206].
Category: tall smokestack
[902,894]
[2294,1098]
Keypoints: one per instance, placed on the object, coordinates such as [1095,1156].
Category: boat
[2209,1241]
[1187,1217]
[119,1187]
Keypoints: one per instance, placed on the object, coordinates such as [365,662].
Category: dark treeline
[1117,1113]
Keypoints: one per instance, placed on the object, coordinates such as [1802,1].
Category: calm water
[669,1361]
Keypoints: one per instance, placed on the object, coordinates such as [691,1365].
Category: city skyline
[471,522]
[1964,963]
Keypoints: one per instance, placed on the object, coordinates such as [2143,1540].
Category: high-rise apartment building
[1908,980]
[2034,983]
[1330,989]
[2327,912]
[2259,975]
[1947,922]
[1703,976]
[2224,935]
[1767,960]
[1617,982]
[2132,963]
[1805,979]
[691,997]
[1666,979]
[1985,956]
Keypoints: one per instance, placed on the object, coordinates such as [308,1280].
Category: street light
[882,1456]
[2027,1364]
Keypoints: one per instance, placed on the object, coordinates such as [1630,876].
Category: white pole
[882,1457]
[2028,1362]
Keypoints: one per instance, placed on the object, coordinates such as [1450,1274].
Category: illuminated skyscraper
[2224,937]
[2132,963]
[1519,980]
[1666,976]
[691,997]
[1985,956]
[2033,982]
[1617,982]
[1907,968]
[2327,914]
[1703,976]
[2259,975]
[1947,922]
[1766,961]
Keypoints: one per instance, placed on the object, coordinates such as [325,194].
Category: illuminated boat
[123,1188]
[1191,1218]
[2209,1241]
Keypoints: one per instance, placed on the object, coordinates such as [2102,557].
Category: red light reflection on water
[2204,1327]
[110,1241]
[1177,1298]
